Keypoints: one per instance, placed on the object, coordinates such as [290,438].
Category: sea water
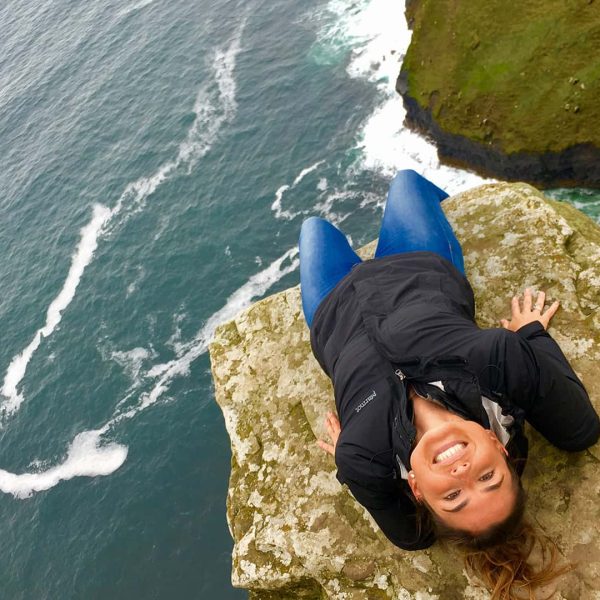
[158,158]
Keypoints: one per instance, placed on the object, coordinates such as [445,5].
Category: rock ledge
[297,532]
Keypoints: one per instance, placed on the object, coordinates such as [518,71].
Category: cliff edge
[298,533]
[507,88]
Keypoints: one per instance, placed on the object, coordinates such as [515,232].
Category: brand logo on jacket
[365,402]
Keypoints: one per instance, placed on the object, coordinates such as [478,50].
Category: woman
[431,408]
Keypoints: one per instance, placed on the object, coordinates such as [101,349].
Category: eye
[487,476]
[452,495]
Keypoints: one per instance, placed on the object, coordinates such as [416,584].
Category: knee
[311,225]
[407,176]
[412,183]
[311,222]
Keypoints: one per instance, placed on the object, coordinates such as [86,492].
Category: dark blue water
[158,158]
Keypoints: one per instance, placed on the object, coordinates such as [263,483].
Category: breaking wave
[373,36]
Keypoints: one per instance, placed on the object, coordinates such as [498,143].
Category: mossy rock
[298,533]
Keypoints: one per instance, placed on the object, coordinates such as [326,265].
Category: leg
[413,220]
[325,258]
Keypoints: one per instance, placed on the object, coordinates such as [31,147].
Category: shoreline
[577,166]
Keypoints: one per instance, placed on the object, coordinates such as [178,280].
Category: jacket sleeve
[539,379]
[395,515]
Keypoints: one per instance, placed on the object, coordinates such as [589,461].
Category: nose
[460,468]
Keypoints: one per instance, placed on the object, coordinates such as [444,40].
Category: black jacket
[410,317]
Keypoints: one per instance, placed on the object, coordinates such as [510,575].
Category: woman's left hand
[529,312]
[332,424]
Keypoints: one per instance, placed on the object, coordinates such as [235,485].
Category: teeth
[450,452]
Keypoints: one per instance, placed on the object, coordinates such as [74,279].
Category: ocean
[158,158]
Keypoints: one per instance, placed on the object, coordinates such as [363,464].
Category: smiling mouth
[449,452]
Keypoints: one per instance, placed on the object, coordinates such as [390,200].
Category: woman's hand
[332,424]
[529,312]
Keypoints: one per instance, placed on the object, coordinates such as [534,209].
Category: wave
[214,106]
[79,261]
[86,457]
[276,206]
[374,36]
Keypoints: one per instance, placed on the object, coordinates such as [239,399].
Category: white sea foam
[79,261]
[325,206]
[212,111]
[376,36]
[86,457]
[276,206]
[256,286]
[214,106]
[306,171]
[175,340]
[132,361]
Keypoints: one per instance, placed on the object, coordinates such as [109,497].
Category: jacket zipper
[401,376]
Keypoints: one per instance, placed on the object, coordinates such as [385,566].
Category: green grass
[509,72]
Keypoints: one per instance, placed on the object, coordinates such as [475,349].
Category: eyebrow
[489,488]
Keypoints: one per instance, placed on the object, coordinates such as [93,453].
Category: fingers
[329,448]
[333,427]
[545,318]
[540,301]
[332,424]
[527,300]
[528,312]
[515,308]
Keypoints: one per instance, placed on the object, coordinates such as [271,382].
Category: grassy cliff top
[524,76]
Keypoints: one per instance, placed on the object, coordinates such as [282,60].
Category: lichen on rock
[298,533]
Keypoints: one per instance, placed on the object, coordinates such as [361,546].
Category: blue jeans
[413,221]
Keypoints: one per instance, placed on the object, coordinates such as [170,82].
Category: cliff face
[506,87]
[297,532]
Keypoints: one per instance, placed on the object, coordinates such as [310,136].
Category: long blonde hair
[511,558]
[508,570]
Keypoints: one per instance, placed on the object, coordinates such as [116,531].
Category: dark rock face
[577,166]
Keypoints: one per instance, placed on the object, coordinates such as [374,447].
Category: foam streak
[213,109]
[211,113]
[79,261]
[276,206]
[255,287]
[86,457]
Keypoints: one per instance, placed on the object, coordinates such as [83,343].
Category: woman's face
[459,470]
